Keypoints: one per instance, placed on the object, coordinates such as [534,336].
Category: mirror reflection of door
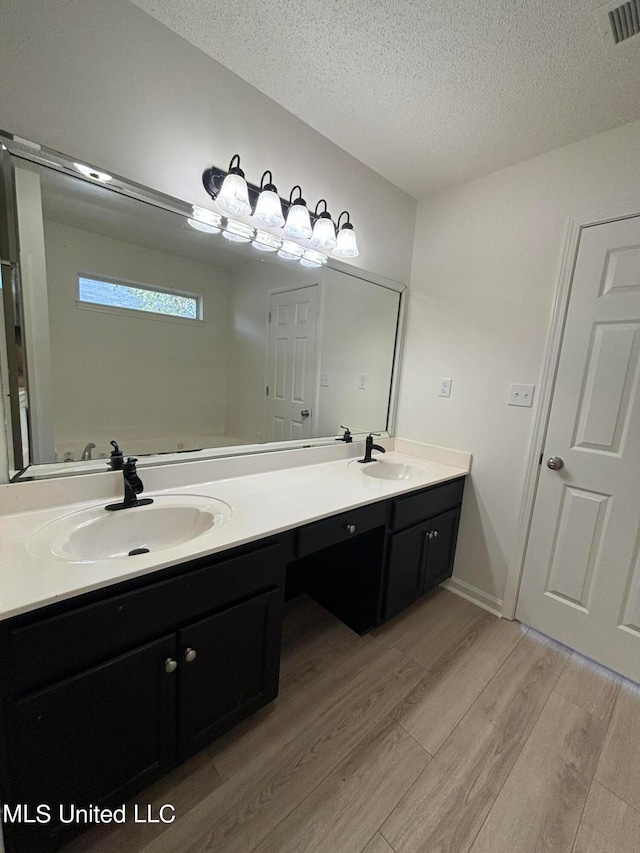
[291,364]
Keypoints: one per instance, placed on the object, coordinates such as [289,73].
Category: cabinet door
[442,546]
[233,671]
[93,738]
[406,568]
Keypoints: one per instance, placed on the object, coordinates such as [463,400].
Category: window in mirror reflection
[115,294]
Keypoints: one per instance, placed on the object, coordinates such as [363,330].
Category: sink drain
[138,551]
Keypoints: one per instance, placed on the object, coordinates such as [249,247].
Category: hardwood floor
[445,730]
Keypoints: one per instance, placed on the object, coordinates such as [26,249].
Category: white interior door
[581,581]
[291,363]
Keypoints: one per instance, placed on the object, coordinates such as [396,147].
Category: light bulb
[265,242]
[233,197]
[237,232]
[291,251]
[346,245]
[268,210]
[312,259]
[324,233]
[298,222]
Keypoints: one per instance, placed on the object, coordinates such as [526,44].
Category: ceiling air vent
[620,21]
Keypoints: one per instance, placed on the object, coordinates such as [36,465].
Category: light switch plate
[325,380]
[521,395]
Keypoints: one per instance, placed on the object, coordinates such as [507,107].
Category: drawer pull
[351,528]
[189,655]
[170,665]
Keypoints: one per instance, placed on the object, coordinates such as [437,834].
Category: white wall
[485,267]
[173,388]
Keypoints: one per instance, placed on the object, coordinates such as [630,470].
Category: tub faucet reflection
[86,453]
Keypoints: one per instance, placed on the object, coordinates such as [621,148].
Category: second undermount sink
[94,534]
[382,469]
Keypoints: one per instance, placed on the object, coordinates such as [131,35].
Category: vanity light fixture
[312,259]
[298,222]
[233,197]
[324,232]
[88,172]
[237,232]
[290,251]
[205,220]
[347,246]
[268,210]
[266,242]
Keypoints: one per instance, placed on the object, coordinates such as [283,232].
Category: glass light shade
[346,246]
[237,232]
[291,251]
[312,259]
[265,242]
[298,222]
[268,210]
[233,197]
[324,234]
[205,220]
[92,173]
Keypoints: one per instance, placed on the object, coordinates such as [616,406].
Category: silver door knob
[170,665]
[189,655]
[555,463]
[305,413]
[351,528]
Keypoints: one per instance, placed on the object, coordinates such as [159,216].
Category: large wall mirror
[122,321]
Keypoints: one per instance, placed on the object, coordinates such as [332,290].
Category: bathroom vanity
[105,691]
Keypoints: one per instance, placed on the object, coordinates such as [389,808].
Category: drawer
[331,531]
[61,645]
[418,507]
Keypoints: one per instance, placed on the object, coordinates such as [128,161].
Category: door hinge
[267,390]
[269,317]
[540,460]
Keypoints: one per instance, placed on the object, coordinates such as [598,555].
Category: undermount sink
[94,534]
[381,469]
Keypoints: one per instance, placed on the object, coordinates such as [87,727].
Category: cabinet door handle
[170,665]
[189,655]
[435,534]
[351,528]
[430,535]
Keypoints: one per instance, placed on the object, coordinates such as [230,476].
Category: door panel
[234,671]
[291,364]
[581,580]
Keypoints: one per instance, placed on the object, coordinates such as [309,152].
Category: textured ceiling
[428,93]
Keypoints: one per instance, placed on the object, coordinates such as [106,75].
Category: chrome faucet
[132,488]
[369,446]
[86,453]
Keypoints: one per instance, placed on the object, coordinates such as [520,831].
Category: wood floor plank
[540,806]
[439,605]
[310,672]
[184,788]
[351,802]
[589,685]
[237,816]
[435,707]
[446,806]
[619,767]
[608,825]
[378,845]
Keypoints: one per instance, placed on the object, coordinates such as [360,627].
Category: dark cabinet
[421,556]
[230,666]
[101,734]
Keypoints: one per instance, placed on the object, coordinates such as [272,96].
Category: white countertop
[262,503]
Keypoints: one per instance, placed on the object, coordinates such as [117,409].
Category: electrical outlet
[521,395]
[325,380]
[362,382]
[445,387]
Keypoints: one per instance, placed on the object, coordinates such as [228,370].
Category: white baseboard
[475,595]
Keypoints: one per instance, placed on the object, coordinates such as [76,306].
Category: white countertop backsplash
[268,493]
